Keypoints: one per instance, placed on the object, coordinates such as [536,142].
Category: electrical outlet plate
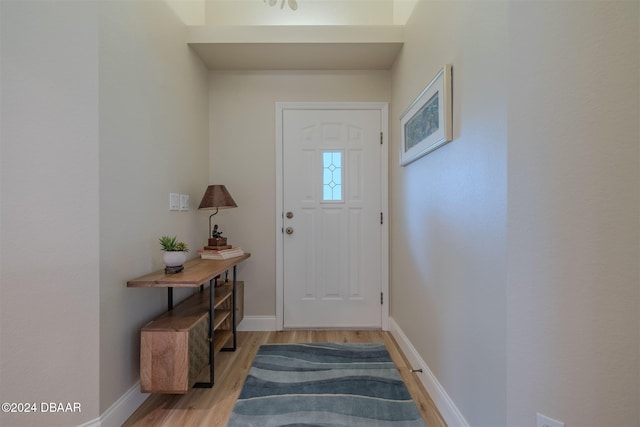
[174,201]
[184,202]
[544,421]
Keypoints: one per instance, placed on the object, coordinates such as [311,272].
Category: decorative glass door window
[332,173]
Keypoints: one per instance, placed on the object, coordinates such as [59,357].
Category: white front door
[332,203]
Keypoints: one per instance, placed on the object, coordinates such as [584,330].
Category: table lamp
[216,197]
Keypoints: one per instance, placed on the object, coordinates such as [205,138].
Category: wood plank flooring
[212,407]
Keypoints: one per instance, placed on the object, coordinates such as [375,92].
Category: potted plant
[175,253]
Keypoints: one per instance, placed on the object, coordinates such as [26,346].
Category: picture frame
[427,124]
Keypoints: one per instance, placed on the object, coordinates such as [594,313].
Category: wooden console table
[168,370]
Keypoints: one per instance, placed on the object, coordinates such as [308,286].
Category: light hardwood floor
[212,407]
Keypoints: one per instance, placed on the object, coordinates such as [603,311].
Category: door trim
[383,108]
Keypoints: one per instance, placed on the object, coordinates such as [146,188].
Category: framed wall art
[427,123]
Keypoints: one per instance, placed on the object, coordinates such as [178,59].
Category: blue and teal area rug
[324,385]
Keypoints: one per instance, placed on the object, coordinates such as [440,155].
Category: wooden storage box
[174,348]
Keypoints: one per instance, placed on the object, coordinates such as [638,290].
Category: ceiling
[297,47]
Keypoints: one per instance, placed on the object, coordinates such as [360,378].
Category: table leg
[233,314]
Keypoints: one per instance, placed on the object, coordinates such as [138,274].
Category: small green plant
[170,244]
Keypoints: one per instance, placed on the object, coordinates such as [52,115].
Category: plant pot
[174,258]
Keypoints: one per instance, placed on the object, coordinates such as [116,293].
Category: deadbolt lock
[289,230]
[289,214]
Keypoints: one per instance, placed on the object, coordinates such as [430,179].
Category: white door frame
[383,107]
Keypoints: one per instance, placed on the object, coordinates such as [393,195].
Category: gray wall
[153,140]
[49,266]
[104,112]
[572,336]
[514,258]
[448,209]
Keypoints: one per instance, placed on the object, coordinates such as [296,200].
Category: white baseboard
[122,409]
[452,416]
[258,323]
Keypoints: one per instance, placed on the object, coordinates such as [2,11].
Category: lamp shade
[217,197]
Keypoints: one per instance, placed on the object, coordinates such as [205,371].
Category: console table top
[196,272]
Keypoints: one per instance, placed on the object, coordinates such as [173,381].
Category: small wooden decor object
[218,241]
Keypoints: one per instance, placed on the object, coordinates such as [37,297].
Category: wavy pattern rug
[324,385]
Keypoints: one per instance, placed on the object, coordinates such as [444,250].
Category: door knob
[289,230]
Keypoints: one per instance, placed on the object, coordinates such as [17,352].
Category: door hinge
[380,138]
[381,218]
[381,298]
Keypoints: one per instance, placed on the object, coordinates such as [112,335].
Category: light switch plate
[544,421]
[174,201]
[184,202]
